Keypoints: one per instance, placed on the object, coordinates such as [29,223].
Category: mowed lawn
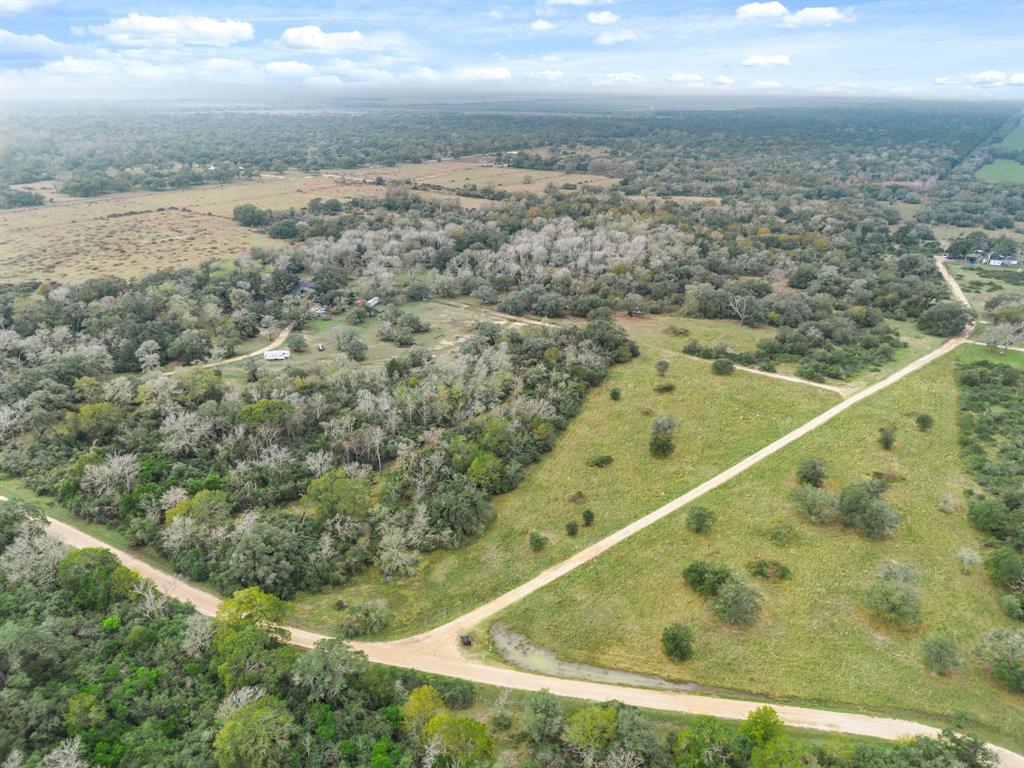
[814,641]
[721,420]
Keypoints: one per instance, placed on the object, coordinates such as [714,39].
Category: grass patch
[1014,139]
[721,420]
[979,282]
[814,641]
[1002,171]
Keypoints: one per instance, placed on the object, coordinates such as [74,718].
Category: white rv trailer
[277,354]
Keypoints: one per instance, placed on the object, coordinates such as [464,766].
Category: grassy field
[1002,171]
[458,173]
[979,282]
[721,420]
[1014,139]
[813,642]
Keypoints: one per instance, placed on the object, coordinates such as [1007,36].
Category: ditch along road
[438,651]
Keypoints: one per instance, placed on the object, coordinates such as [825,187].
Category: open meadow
[1002,171]
[814,640]
[979,282]
[721,420]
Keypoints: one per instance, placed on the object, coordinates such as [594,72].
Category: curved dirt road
[437,651]
[277,342]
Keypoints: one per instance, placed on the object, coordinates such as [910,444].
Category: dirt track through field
[438,651]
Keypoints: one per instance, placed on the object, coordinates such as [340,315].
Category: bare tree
[198,635]
[153,601]
[319,462]
[237,699]
[182,433]
[1002,336]
[32,558]
[148,355]
[743,305]
[67,754]
[620,757]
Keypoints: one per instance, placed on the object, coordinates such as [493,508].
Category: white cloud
[814,16]
[988,77]
[623,78]
[20,6]
[610,38]
[426,73]
[136,29]
[547,74]
[313,38]
[772,10]
[11,42]
[769,60]
[1017,78]
[496,14]
[724,80]
[767,84]
[573,2]
[289,68]
[483,73]
[686,77]
[323,81]
[551,58]
[542,25]
[602,17]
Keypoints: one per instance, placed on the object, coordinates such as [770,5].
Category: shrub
[817,504]
[895,602]
[772,570]
[736,603]
[601,461]
[367,618]
[700,519]
[812,472]
[762,725]
[924,422]
[949,504]
[664,424]
[661,446]
[664,388]
[677,642]
[572,528]
[588,517]
[941,654]
[661,367]
[1005,568]
[537,541]
[705,578]
[1002,651]
[615,393]
[1013,606]
[968,559]
[861,508]
[887,437]
[723,366]
[946,318]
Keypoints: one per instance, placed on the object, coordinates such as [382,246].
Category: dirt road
[277,342]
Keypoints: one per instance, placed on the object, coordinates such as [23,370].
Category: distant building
[277,354]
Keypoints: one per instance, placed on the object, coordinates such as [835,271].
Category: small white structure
[277,354]
[371,303]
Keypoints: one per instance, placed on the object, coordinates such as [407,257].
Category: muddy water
[520,652]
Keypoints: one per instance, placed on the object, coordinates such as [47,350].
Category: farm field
[721,420]
[1014,139]
[1002,171]
[813,641]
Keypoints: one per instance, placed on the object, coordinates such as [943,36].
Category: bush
[588,517]
[861,508]
[723,366]
[615,393]
[572,528]
[946,318]
[700,519]
[705,578]
[941,654]
[661,367]
[665,388]
[895,602]
[1005,568]
[736,603]
[812,472]
[677,642]
[1013,606]
[601,461]
[818,505]
[924,422]
[661,445]
[772,570]
[537,541]
[887,437]
[367,618]
[1002,651]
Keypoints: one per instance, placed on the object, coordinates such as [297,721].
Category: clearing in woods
[814,640]
[721,420]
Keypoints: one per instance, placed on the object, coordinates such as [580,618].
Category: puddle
[520,652]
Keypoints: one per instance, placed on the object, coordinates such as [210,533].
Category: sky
[931,49]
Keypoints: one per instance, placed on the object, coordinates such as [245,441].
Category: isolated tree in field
[887,437]
[677,642]
[661,367]
[700,519]
[946,318]
[588,517]
[572,528]
[924,422]
[723,366]
[1002,652]
[661,444]
[812,472]
[895,602]
[941,654]
[1002,336]
[736,603]
[968,559]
